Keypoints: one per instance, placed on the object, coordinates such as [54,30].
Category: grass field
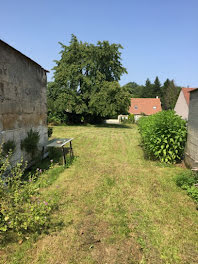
[116,207]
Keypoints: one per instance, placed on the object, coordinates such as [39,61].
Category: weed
[30,143]
[8,146]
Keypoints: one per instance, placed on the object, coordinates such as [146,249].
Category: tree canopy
[86,81]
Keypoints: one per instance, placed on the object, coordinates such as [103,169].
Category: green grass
[116,207]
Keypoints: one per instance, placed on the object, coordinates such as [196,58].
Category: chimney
[157,96]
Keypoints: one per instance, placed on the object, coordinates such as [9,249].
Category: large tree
[86,79]
[134,89]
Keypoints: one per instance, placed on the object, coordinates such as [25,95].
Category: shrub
[30,143]
[8,146]
[130,120]
[187,181]
[22,208]
[50,131]
[54,120]
[193,193]
[163,136]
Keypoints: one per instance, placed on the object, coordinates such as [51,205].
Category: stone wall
[22,98]
[191,153]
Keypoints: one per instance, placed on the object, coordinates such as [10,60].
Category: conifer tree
[147,91]
[156,88]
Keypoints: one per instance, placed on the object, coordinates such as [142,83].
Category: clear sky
[160,37]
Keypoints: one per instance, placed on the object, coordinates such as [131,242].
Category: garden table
[60,143]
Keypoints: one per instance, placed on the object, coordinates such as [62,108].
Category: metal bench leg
[64,158]
[71,150]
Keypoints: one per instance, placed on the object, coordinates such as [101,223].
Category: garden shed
[191,153]
[23,99]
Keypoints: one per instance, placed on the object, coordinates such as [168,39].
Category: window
[154,107]
[135,107]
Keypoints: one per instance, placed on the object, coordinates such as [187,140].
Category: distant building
[191,151]
[182,104]
[23,99]
[144,106]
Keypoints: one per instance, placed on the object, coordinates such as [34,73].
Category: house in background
[23,102]
[144,106]
[182,104]
[191,151]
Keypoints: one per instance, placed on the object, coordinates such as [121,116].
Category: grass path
[116,207]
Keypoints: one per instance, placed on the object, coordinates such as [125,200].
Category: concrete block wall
[23,103]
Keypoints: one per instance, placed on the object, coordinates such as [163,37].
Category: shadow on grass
[52,166]
[114,126]
[102,125]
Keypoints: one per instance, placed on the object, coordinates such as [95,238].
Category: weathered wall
[191,153]
[22,98]
[181,107]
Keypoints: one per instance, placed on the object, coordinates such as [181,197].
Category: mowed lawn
[116,207]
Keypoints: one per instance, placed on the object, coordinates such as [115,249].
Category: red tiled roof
[147,106]
[186,92]
[194,89]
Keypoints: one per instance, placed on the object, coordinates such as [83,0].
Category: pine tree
[156,88]
[147,91]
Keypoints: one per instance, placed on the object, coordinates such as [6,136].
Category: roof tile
[186,92]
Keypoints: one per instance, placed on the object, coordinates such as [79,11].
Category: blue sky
[160,37]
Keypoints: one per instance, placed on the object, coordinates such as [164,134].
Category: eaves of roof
[6,44]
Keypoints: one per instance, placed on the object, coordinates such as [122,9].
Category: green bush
[30,143]
[54,120]
[193,193]
[163,136]
[187,181]
[130,120]
[22,208]
[50,131]
[8,146]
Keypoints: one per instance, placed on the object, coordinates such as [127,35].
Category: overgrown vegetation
[8,146]
[163,136]
[50,131]
[22,208]
[30,143]
[130,120]
[189,181]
